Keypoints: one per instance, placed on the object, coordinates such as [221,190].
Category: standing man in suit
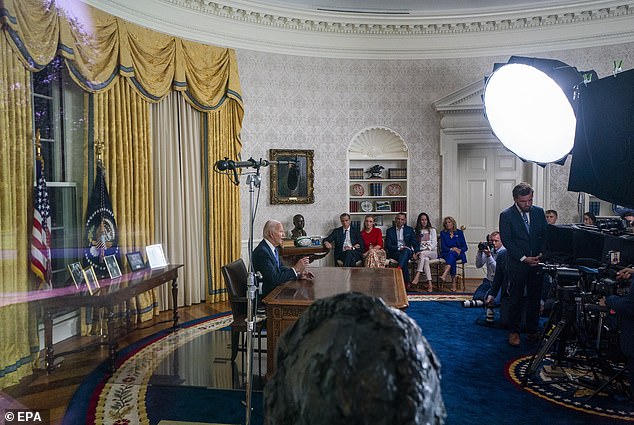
[624,307]
[401,244]
[266,259]
[347,242]
[522,228]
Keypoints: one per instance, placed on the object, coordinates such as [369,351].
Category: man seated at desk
[347,241]
[266,259]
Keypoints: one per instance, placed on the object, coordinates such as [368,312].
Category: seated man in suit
[347,242]
[401,243]
[266,259]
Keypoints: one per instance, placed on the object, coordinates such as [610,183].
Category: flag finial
[99,147]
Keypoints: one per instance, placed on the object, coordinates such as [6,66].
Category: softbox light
[529,103]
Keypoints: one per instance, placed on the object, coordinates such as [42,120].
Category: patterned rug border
[513,369]
[440,296]
[120,397]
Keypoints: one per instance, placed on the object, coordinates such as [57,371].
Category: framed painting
[292,180]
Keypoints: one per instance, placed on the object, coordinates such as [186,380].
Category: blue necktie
[277,258]
[525,217]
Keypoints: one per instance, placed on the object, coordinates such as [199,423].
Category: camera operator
[487,253]
[624,307]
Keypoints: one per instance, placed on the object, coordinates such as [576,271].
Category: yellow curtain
[222,205]
[18,339]
[98,47]
[122,124]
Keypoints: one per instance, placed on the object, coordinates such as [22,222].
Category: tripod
[569,336]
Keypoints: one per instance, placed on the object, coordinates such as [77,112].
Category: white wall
[320,104]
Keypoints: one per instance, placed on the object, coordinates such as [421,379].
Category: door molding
[463,122]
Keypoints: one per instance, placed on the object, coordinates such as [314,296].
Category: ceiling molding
[254,26]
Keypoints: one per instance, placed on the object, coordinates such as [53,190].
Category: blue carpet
[474,385]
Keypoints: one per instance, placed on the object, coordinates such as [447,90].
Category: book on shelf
[376,189]
[354,206]
[397,173]
[400,205]
[356,173]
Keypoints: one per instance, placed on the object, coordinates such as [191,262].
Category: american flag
[41,236]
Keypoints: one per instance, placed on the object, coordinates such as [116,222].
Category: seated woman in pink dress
[452,248]
[428,241]
[374,255]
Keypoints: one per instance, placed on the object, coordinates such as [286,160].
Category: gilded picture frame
[91,280]
[292,183]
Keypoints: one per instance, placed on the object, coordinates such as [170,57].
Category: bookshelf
[378,170]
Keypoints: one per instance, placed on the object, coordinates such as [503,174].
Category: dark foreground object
[350,359]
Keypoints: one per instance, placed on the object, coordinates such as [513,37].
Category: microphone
[292,177]
[228,164]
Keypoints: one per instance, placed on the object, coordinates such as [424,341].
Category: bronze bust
[298,230]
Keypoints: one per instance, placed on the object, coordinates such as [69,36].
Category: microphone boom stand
[253,181]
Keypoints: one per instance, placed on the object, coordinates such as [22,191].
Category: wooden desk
[111,292]
[293,253]
[288,301]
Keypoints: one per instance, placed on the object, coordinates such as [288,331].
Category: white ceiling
[423,7]
[373,29]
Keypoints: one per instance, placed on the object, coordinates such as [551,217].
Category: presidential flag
[41,234]
[101,227]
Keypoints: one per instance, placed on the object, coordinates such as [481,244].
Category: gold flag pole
[99,147]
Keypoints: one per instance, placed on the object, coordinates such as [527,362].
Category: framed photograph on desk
[155,256]
[113,266]
[91,279]
[135,261]
[76,273]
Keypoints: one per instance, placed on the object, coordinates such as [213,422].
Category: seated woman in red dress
[374,255]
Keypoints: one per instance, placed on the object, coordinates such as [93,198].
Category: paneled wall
[320,104]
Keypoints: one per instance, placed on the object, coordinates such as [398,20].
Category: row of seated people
[402,244]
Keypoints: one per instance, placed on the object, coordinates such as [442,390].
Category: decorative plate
[366,206]
[303,241]
[357,190]
[394,189]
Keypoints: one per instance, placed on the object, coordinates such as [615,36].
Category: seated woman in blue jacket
[452,248]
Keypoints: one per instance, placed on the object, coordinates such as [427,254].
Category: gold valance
[99,48]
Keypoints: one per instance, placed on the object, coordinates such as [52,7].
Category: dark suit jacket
[272,273]
[337,237]
[501,277]
[517,241]
[409,239]
[624,307]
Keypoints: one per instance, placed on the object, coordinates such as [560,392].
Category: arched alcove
[384,192]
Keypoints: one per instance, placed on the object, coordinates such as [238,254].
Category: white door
[487,175]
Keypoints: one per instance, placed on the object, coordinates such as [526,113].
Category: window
[58,115]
